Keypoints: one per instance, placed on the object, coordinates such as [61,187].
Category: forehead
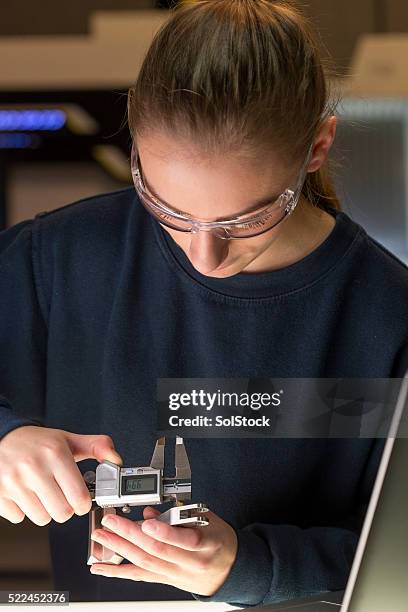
[208,187]
[163,149]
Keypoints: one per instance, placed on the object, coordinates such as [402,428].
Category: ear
[323,142]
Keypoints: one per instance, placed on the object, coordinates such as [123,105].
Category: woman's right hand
[39,477]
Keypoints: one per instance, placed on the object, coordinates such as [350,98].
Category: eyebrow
[251,208]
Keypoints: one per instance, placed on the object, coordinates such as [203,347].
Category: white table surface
[135,606]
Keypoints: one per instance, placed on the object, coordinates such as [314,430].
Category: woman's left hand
[194,559]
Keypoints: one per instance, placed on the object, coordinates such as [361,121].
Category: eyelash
[164,216]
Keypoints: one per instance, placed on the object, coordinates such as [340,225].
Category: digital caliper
[112,486]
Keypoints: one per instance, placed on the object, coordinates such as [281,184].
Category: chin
[221,272]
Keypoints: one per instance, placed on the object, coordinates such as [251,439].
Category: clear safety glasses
[243,226]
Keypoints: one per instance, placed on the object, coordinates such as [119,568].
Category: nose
[207,251]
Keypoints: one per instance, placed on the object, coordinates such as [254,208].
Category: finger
[129,572]
[71,482]
[131,531]
[188,538]
[99,447]
[53,499]
[133,553]
[32,507]
[150,512]
[10,511]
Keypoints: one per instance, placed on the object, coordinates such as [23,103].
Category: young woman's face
[210,190]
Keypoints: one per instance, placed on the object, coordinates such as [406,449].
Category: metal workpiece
[114,488]
[97,553]
[185,515]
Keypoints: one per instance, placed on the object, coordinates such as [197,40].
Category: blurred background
[64,73]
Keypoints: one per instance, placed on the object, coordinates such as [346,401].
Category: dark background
[377,152]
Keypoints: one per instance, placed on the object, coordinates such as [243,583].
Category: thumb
[149,513]
[99,447]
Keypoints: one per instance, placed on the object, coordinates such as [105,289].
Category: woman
[231,259]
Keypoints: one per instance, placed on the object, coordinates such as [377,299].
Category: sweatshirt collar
[296,276]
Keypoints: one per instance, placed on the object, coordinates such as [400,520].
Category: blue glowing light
[18,141]
[34,120]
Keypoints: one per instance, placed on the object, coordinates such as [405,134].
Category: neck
[301,233]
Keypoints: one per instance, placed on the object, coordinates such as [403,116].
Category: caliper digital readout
[136,485]
[124,487]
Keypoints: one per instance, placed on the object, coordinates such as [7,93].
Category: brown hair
[237,75]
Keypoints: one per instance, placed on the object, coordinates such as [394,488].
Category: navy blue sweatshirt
[97,301]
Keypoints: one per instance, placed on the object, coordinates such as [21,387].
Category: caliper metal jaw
[176,489]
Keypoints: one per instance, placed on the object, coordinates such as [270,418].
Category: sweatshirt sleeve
[23,331]
[280,562]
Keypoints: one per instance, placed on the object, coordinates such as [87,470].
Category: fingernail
[98,535]
[96,570]
[109,521]
[150,525]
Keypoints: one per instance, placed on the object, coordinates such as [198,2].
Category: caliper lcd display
[139,484]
